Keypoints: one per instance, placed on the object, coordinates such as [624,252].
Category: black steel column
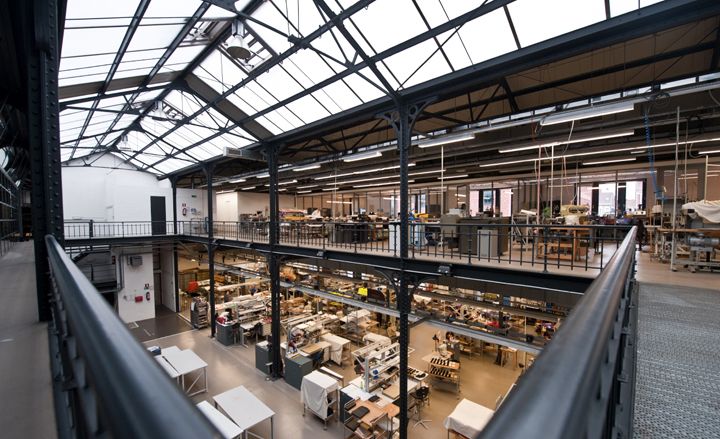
[403,139]
[273,262]
[210,245]
[173,181]
[42,47]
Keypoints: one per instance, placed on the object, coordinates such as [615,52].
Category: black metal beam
[129,34]
[41,46]
[264,67]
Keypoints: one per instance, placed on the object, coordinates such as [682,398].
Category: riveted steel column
[210,246]
[272,152]
[42,48]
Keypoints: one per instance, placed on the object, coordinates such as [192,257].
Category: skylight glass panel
[100,9]
[407,62]
[265,122]
[233,141]
[340,95]
[456,49]
[437,12]
[242,104]
[68,118]
[98,128]
[80,75]
[69,134]
[312,66]
[539,21]
[363,87]
[184,55]
[79,62]
[219,72]
[309,108]
[215,12]
[280,84]
[256,96]
[489,27]
[268,14]
[91,41]
[151,37]
[380,24]
[619,7]
[284,120]
[171,165]
[388,75]
[155,127]
[337,47]
[172,8]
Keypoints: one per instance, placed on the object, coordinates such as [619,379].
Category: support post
[176,277]
[272,152]
[42,48]
[402,121]
[210,246]
[173,182]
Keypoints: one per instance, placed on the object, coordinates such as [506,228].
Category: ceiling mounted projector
[237,46]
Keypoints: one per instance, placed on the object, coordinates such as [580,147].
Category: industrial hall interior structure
[359,218]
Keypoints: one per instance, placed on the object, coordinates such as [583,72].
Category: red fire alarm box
[138,299]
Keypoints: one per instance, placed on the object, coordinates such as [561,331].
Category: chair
[421,397]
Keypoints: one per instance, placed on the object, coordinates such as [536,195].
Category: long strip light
[380,184]
[362,156]
[560,142]
[306,168]
[714,151]
[587,112]
[282,183]
[328,189]
[427,172]
[238,180]
[444,140]
[453,176]
[338,202]
[265,175]
[303,192]
[364,171]
[306,187]
[247,188]
[603,162]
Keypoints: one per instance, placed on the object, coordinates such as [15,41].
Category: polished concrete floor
[678,363]
[26,384]
[165,323]
[481,381]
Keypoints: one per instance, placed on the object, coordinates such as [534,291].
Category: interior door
[157,215]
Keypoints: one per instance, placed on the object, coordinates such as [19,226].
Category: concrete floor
[26,385]
[228,367]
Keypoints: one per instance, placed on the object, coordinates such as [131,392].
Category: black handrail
[578,384]
[112,383]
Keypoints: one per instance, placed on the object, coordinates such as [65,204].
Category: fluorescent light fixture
[327,189]
[381,184]
[363,156]
[364,171]
[453,176]
[308,186]
[303,192]
[339,202]
[566,142]
[282,183]
[225,192]
[714,151]
[461,195]
[391,198]
[247,188]
[587,112]
[602,162]
[426,172]
[238,180]
[444,140]
[218,183]
[265,175]
[306,168]
[282,190]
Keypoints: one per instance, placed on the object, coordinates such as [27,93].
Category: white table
[162,361]
[468,418]
[186,362]
[245,409]
[337,345]
[227,428]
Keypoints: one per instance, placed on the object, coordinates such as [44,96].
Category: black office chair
[422,397]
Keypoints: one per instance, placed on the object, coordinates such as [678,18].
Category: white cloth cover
[707,210]
[336,346]
[314,391]
[371,337]
[468,418]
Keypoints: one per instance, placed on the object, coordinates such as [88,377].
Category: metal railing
[582,385]
[105,383]
[9,212]
[581,247]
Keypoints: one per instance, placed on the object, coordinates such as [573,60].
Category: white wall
[134,281]
[227,206]
[194,201]
[251,202]
[167,275]
[101,193]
